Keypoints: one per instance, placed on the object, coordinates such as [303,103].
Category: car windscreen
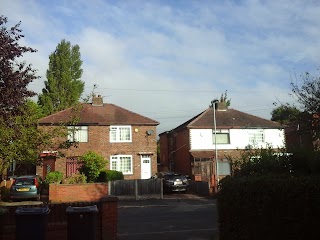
[24,181]
[174,177]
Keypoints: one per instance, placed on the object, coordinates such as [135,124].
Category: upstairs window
[222,136]
[78,133]
[120,134]
[256,137]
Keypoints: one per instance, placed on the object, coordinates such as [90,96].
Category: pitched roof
[231,118]
[106,114]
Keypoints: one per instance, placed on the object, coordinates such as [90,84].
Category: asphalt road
[184,217]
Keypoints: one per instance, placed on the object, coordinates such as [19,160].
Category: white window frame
[115,163]
[256,137]
[115,133]
[221,132]
[78,133]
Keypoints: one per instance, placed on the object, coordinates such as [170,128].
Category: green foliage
[109,175]
[54,177]
[259,162]
[15,75]
[92,164]
[285,114]
[269,207]
[21,140]
[76,179]
[64,87]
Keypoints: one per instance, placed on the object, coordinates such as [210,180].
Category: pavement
[168,200]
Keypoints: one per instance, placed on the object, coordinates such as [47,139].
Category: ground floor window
[121,163]
[224,168]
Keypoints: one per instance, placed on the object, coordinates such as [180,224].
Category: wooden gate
[72,166]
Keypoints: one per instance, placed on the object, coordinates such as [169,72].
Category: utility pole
[213,105]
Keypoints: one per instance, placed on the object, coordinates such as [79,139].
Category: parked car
[175,182]
[25,187]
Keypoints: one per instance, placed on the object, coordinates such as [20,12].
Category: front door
[145,166]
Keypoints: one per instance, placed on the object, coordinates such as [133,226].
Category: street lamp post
[213,104]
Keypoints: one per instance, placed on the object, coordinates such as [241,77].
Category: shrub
[92,164]
[109,175]
[54,177]
[76,179]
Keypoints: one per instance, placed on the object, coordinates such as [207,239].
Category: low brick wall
[106,222]
[87,192]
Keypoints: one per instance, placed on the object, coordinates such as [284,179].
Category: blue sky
[168,59]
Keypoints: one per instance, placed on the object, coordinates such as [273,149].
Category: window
[224,168]
[121,163]
[256,137]
[78,134]
[222,136]
[120,134]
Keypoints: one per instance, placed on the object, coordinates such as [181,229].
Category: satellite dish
[149,132]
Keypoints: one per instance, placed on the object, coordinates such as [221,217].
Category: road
[184,217]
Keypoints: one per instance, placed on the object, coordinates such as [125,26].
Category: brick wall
[77,192]
[57,228]
[99,142]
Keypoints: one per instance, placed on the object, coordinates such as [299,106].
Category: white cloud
[168,60]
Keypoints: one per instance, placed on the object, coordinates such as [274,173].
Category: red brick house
[126,139]
[201,148]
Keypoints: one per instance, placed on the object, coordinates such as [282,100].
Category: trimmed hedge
[109,175]
[269,207]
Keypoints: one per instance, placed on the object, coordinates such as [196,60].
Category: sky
[168,59]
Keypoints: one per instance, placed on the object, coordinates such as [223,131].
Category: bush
[92,164]
[109,175]
[76,179]
[54,177]
[269,207]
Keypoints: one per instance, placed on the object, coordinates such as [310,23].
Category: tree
[308,93]
[18,132]
[92,164]
[285,114]
[20,138]
[14,75]
[63,87]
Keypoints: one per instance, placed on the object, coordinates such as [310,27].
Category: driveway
[186,217]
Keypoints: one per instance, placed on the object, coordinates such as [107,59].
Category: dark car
[175,182]
[25,187]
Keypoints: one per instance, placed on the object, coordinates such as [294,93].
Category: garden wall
[87,192]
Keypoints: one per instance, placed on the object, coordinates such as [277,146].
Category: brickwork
[99,142]
[77,192]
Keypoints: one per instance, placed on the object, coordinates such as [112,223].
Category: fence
[200,188]
[136,189]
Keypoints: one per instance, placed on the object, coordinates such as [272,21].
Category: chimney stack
[97,101]
[222,106]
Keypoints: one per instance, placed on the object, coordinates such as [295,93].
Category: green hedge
[269,207]
[109,175]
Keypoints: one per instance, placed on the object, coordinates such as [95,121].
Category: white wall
[202,139]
